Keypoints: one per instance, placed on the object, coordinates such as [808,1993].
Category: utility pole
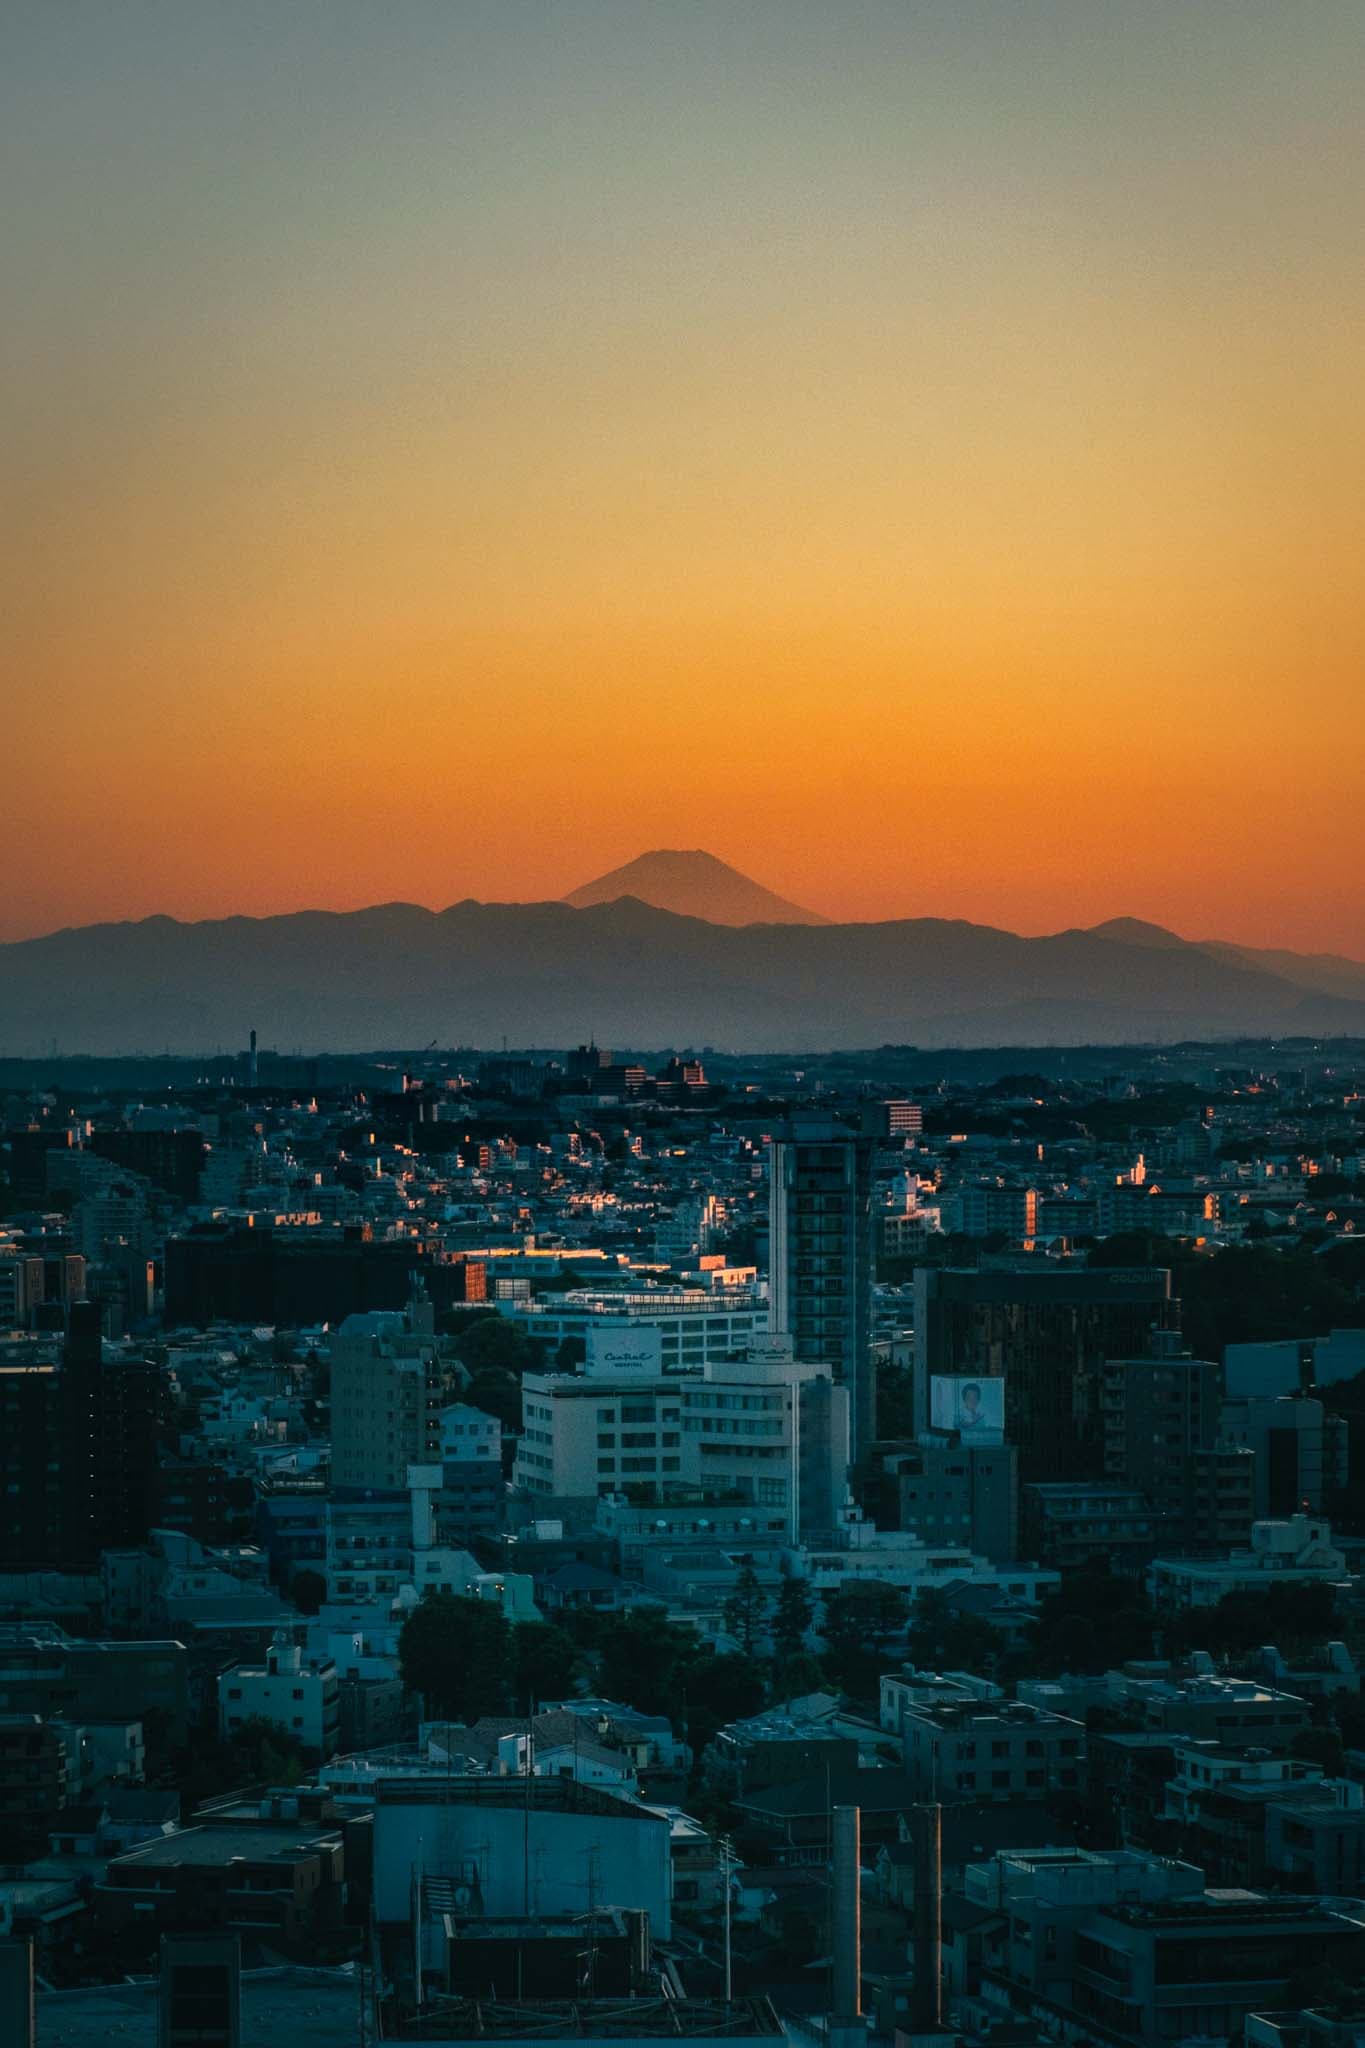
[417,1928]
[725,1867]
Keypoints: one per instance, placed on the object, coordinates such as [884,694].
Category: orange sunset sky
[916,451]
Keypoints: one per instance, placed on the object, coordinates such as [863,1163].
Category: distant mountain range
[632,973]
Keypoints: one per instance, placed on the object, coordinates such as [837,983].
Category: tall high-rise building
[1162,1434]
[387,1396]
[1301,1450]
[1047,1333]
[22,1284]
[822,1253]
[79,1450]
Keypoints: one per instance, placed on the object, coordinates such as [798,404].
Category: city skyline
[912,450]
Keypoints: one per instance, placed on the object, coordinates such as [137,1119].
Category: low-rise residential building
[282,1882]
[1297,1551]
[1137,1947]
[995,1752]
[1211,1708]
[473,1497]
[300,1695]
[951,1492]
[1071,1523]
[1317,1843]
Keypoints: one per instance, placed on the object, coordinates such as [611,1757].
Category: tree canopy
[860,1619]
[458,1654]
[746,1609]
[792,1616]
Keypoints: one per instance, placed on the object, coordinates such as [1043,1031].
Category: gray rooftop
[254,1843]
[313,2008]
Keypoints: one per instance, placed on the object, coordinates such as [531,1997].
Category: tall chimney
[846,1914]
[927,1996]
[638,1948]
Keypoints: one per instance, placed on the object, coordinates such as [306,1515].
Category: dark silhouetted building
[172,1160]
[1048,1334]
[292,1278]
[822,1253]
[79,1445]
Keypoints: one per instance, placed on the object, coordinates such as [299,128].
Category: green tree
[793,1676]
[544,1661]
[258,1753]
[744,1611]
[1289,1616]
[308,1590]
[457,1654]
[1094,1621]
[940,1639]
[263,1753]
[859,1621]
[720,1689]
[644,1659]
[1320,1746]
[496,1393]
[792,1617]
[485,1341]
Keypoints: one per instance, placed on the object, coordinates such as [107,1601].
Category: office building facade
[1048,1334]
[822,1234]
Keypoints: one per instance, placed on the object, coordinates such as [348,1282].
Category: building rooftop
[459,2019]
[1235,1903]
[216,1844]
[312,2008]
[980,1715]
[552,1795]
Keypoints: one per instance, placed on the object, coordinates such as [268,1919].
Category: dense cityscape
[611,1544]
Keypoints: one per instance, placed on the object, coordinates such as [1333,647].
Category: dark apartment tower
[822,1249]
[78,1451]
[586,1062]
[112,1416]
[291,1278]
[82,1369]
[49,1432]
[173,1160]
[31,1448]
[1162,1422]
[1048,1334]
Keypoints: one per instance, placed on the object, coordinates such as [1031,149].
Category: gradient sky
[914,450]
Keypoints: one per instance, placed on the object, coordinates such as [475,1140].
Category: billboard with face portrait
[976,1408]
